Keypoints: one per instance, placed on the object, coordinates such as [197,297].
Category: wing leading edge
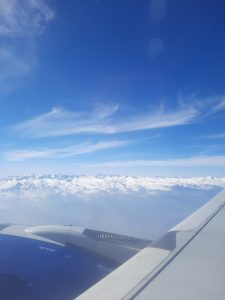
[186,263]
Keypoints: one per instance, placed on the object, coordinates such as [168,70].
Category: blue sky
[116,87]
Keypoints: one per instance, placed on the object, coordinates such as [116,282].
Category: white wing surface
[186,263]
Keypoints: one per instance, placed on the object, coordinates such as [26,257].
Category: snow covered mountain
[87,185]
[141,206]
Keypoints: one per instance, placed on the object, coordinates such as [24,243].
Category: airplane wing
[63,262]
[186,263]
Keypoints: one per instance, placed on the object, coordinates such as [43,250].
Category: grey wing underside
[187,263]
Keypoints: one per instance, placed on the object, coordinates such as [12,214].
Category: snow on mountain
[87,185]
[140,206]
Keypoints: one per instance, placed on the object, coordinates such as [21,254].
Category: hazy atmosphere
[140,206]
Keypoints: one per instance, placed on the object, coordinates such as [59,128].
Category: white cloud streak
[60,122]
[216,136]
[20,22]
[195,161]
[21,155]
[12,68]
[22,18]
[106,119]
[220,105]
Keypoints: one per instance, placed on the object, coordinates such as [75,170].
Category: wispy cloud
[22,18]
[60,122]
[195,161]
[220,105]
[108,119]
[20,155]
[20,22]
[207,104]
[216,136]
[12,68]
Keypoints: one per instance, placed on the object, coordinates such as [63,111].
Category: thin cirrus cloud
[108,120]
[195,161]
[60,122]
[22,18]
[215,136]
[12,67]
[21,155]
[20,22]
[220,106]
